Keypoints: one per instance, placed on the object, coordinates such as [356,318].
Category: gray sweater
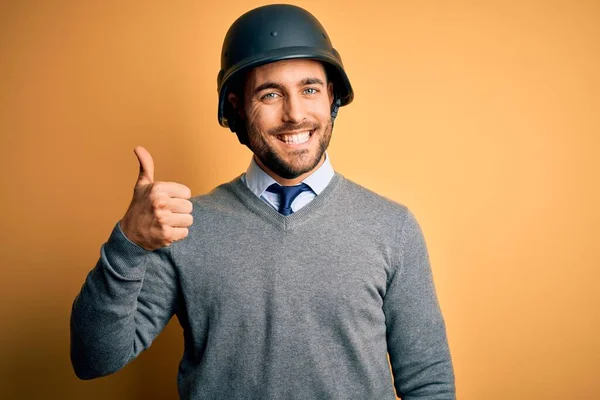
[306,306]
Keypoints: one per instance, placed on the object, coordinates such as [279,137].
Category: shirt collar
[258,180]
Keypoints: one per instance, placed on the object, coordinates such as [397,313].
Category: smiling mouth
[297,138]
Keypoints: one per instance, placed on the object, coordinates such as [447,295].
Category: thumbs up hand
[160,212]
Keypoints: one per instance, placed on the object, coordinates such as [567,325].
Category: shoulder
[376,207]
[383,216]
[366,199]
[379,212]
[222,196]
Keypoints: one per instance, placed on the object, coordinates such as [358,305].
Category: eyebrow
[311,81]
[279,86]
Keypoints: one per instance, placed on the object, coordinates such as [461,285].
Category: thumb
[146,175]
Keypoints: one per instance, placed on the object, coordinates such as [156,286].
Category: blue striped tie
[287,194]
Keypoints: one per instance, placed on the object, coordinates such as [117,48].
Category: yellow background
[481,116]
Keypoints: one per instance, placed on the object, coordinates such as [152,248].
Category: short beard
[274,162]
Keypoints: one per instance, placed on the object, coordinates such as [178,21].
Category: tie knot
[287,195]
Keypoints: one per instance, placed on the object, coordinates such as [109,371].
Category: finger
[179,233]
[146,175]
[165,220]
[181,220]
[183,206]
[174,189]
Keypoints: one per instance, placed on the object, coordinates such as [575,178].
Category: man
[290,282]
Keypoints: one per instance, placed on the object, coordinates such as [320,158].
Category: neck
[289,182]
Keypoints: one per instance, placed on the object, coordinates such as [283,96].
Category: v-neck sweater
[304,306]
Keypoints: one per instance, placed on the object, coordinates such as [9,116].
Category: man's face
[287,110]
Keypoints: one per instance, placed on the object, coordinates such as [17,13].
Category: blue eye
[312,90]
[269,95]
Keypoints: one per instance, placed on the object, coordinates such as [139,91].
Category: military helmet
[274,33]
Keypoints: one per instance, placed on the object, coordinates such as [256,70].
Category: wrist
[125,257]
[129,234]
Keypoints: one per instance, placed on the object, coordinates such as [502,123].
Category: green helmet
[274,33]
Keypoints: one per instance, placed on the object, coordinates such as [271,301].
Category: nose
[293,109]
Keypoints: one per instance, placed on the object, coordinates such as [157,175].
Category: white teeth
[295,139]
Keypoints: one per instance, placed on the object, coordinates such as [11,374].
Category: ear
[330,92]
[236,104]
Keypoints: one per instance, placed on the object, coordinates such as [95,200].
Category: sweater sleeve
[416,332]
[125,302]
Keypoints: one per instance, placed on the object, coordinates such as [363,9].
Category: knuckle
[155,191]
[158,186]
[167,232]
[161,221]
[159,203]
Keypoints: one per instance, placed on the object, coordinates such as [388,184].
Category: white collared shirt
[258,181]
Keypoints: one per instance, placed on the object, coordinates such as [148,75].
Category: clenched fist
[160,212]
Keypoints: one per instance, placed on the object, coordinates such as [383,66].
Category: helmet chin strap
[334,109]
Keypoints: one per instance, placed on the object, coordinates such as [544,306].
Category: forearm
[427,374]
[116,314]
[417,341]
